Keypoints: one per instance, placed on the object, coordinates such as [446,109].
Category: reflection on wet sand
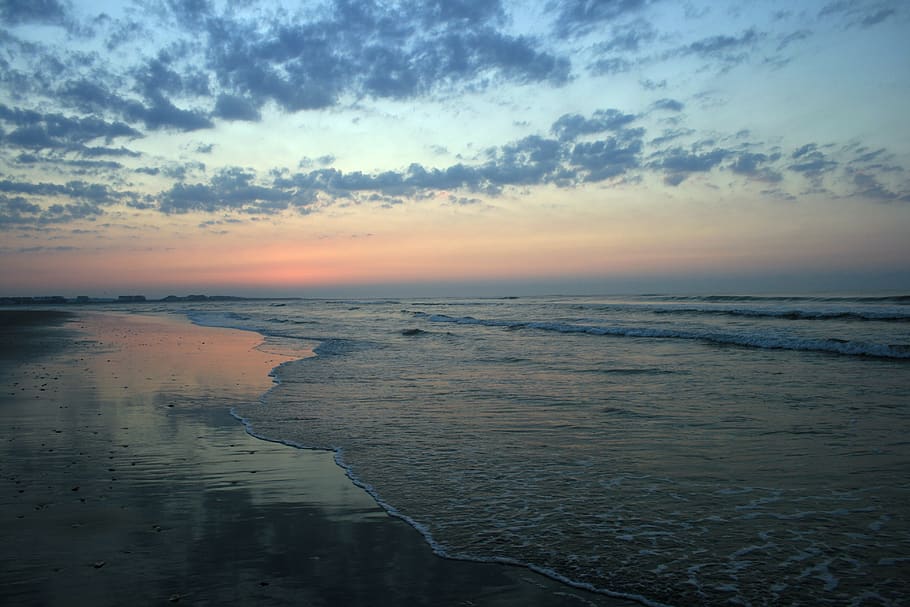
[125,480]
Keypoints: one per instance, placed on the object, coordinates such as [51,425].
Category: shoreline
[126,475]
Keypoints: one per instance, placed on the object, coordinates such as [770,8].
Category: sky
[453,147]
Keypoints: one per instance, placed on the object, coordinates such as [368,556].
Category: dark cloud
[670,105]
[868,186]
[572,126]
[78,165]
[728,50]
[606,159]
[161,114]
[465,12]
[609,66]
[792,38]
[714,45]
[16,12]
[59,249]
[671,134]
[25,158]
[178,171]
[615,55]
[577,17]
[124,31]
[679,163]
[87,96]
[463,200]
[754,165]
[529,161]
[864,154]
[629,37]
[306,163]
[17,211]
[230,107]
[94,193]
[230,189]
[108,151]
[652,85]
[157,79]
[811,161]
[64,213]
[225,65]
[191,14]
[533,160]
[678,160]
[372,49]
[861,13]
[36,130]
[877,17]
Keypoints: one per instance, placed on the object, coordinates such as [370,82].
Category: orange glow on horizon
[421,242]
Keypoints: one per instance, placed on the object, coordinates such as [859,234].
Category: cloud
[162,114]
[629,37]
[532,160]
[868,186]
[811,161]
[384,51]
[792,38]
[714,45]
[728,50]
[17,12]
[678,163]
[606,159]
[87,96]
[108,151]
[754,166]
[670,105]
[80,190]
[36,130]
[231,107]
[227,63]
[230,189]
[610,66]
[617,54]
[671,134]
[572,126]
[863,13]
[578,17]
[18,211]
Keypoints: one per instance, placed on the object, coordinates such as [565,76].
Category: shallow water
[124,480]
[679,450]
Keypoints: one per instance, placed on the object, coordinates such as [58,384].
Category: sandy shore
[125,480]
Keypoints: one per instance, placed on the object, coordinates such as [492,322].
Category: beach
[124,479]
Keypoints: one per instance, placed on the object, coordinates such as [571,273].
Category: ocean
[676,450]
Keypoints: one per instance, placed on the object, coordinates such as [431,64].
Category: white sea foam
[607,464]
[752,340]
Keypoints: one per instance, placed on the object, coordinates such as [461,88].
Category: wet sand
[125,480]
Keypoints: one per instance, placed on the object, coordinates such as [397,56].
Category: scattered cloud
[77,113]
[17,12]
[726,50]
[578,17]
[861,13]
[573,126]
[811,161]
[670,105]
[678,163]
[757,166]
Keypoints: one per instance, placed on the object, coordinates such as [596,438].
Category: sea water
[678,450]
